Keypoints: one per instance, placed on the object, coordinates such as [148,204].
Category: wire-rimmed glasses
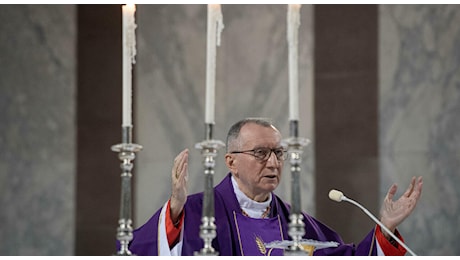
[263,153]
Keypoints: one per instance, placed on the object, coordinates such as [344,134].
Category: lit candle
[129,53]
[215,26]
[293,22]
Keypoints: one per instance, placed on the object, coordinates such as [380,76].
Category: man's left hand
[394,212]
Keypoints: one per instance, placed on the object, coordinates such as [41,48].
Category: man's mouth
[271,176]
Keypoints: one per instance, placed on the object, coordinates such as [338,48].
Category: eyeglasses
[263,153]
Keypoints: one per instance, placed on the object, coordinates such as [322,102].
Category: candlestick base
[296,232]
[124,235]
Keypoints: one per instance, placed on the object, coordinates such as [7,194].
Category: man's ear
[230,162]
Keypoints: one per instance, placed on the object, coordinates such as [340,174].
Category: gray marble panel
[251,81]
[420,118]
[37,129]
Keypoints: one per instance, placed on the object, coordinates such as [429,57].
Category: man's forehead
[254,133]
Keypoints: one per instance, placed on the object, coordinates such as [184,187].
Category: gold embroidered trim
[264,214]
[260,245]
[238,231]
[372,245]
[281,231]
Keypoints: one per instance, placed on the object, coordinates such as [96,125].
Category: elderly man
[247,212]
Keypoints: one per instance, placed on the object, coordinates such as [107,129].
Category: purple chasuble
[230,222]
[254,233]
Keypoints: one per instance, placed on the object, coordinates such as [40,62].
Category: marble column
[37,129]
[419,118]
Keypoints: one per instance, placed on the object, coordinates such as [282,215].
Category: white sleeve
[163,245]
[379,249]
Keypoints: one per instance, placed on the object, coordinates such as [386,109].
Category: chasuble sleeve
[173,230]
[389,248]
[151,238]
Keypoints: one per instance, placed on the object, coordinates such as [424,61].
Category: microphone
[338,196]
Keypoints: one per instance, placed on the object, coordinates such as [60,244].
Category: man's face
[256,178]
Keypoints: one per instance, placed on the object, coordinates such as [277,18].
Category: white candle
[293,22]
[129,53]
[214,28]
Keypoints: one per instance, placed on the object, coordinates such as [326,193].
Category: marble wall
[251,81]
[37,129]
[420,118]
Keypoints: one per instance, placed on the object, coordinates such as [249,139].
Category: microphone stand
[208,149]
[296,231]
[126,153]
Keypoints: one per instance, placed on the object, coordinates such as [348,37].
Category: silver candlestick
[296,230]
[126,153]
[208,149]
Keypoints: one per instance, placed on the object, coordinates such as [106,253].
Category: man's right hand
[179,185]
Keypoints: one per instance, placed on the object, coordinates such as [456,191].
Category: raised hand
[394,212]
[179,178]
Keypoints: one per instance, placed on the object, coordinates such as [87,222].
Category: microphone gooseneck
[338,196]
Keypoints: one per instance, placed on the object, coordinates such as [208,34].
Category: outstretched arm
[393,213]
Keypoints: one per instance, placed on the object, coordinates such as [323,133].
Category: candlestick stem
[126,153]
[296,229]
[209,148]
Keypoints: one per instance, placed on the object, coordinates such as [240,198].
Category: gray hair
[235,129]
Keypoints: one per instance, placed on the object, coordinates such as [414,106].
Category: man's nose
[272,160]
